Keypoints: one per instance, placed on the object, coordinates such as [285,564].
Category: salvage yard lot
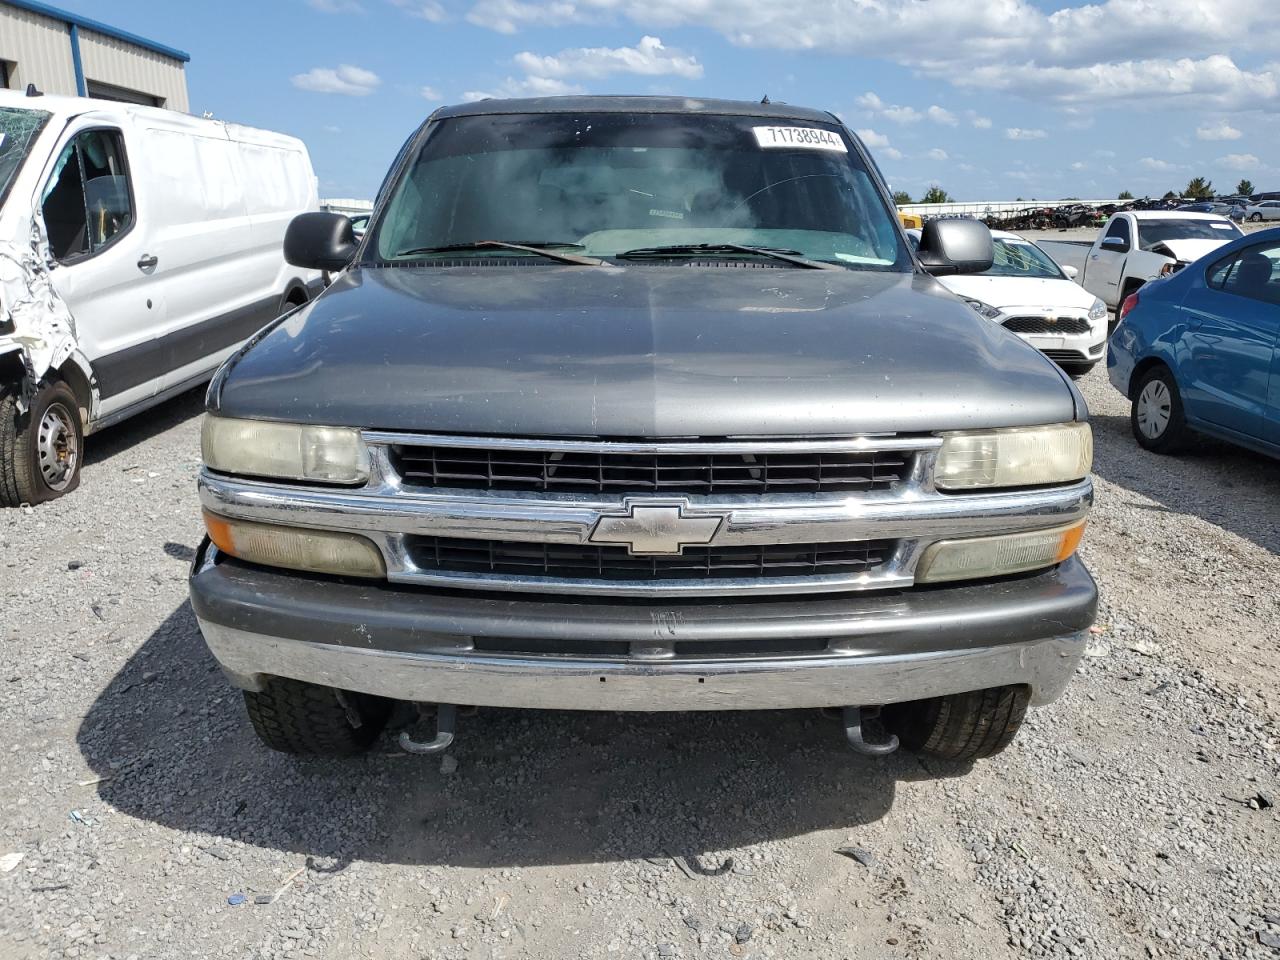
[1131,819]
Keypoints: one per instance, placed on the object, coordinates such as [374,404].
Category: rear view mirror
[319,241]
[956,246]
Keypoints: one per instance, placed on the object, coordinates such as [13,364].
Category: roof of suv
[687,105]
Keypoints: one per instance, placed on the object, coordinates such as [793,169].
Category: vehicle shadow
[129,433]
[531,788]
[1229,486]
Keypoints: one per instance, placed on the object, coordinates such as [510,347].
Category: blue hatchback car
[1198,351]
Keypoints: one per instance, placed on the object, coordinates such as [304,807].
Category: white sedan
[1029,294]
[1265,210]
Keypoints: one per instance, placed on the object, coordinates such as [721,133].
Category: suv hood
[641,351]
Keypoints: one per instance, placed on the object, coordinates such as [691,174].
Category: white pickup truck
[1140,245]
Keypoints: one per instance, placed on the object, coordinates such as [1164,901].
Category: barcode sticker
[806,138]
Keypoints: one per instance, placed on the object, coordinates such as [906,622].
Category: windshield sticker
[669,214]
[806,138]
[1222,226]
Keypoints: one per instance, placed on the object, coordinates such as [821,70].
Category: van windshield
[611,183]
[18,130]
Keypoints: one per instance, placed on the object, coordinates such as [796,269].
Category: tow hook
[446,719]
[854,719]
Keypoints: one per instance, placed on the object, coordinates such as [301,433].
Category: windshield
[1151,232]
[611,183]
[18,129]
[1017,258]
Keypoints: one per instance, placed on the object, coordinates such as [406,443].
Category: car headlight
[317,551]
[983,309]
[1014,457]
[1098,311]
[284,451]
[975,558]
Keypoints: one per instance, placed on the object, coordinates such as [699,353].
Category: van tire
[308,719]
[962,726]
[34,444]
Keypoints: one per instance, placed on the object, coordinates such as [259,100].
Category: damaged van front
[138,248]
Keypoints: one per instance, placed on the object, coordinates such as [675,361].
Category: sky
[991,99]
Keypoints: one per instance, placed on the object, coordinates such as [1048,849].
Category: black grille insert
[545,471]
[590,562]
[1047,325]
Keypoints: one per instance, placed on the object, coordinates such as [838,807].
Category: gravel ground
[1131,819]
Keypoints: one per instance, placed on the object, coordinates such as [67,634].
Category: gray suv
[641,404]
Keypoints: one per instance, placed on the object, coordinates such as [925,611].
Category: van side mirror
[319,241]
[949,247]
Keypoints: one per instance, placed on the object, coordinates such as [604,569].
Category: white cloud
[1098,52]
[1152,163]
[1218,131]
[937,154]
[526,87]
[330,128]
[648,58]
[347,80]
[1018,133]
[939,115]
[893,153]
[1240,161]
[1213,81]
[890,111]
[335,6]
[979,122]
[872,139]
[430,93]
[430,10]
[1078,165]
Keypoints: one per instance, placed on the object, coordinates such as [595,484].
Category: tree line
[1198,188]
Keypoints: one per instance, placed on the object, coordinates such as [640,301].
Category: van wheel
[1156,416]
[293,716]
[962,726]
[40,450]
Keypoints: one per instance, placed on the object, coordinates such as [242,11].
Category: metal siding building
[65,53]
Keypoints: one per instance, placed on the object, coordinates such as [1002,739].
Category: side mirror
[1070,271]
[319,241]
[956,246]
[1118,244]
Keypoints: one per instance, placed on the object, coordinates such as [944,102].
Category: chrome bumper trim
[683,683]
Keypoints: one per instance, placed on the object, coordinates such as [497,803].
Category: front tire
[40,450]
[308,719]
[1156,417]
[1255,218]
[962,726]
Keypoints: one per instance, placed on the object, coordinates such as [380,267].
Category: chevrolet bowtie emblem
[655,527]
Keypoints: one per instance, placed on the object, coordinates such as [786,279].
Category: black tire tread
[961,726]
[292,716]
[11,494]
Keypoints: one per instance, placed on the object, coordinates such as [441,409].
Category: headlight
[1098,311]
[1016,457]
[975,558]
[284,451]
[983,309]
[318,551]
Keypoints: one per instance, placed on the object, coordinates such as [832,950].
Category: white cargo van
[138,248]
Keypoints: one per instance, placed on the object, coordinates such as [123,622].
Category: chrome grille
[1047,325]
[597,472]
[568,562]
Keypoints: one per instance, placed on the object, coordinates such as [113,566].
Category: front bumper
[442,646]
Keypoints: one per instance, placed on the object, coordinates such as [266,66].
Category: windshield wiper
[539,248]
[682,250]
